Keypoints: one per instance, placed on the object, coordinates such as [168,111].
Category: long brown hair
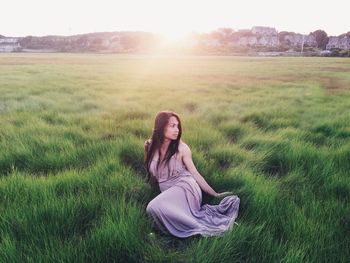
[160,123]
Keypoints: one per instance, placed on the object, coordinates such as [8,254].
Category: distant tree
[226,31]
[345,34]
[130,41]
[283,34]
[344,53]
[321,38]
[82,41]
[95,43]
[224,34]
[239,34]
[215,34]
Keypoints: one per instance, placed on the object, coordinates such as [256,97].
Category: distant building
[342,42]
[269,41]
[310,40]
[298,40]
[248,41]
[293,39]
[9,45]
[264,31]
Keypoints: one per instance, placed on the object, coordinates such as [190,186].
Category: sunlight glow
[174,36]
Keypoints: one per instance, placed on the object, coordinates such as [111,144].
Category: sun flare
[174,36]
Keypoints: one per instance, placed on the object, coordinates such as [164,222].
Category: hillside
[225,41]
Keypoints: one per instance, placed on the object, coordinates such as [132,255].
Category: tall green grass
[275,131]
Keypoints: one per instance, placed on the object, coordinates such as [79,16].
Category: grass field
[275,131]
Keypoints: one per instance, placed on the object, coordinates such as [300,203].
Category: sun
[174,36]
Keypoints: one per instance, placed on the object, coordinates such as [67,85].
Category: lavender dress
[177,209]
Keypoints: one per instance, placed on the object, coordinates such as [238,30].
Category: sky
[173,18]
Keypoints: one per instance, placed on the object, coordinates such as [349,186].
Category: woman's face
[171,131]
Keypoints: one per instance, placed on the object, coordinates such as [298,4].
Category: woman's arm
[187,159]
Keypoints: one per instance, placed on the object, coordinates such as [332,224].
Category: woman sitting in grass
[177,209]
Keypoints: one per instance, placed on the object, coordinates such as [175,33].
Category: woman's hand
[147,143]
[223,194]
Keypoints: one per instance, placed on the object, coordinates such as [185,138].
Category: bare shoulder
[186,157]
[184,149]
